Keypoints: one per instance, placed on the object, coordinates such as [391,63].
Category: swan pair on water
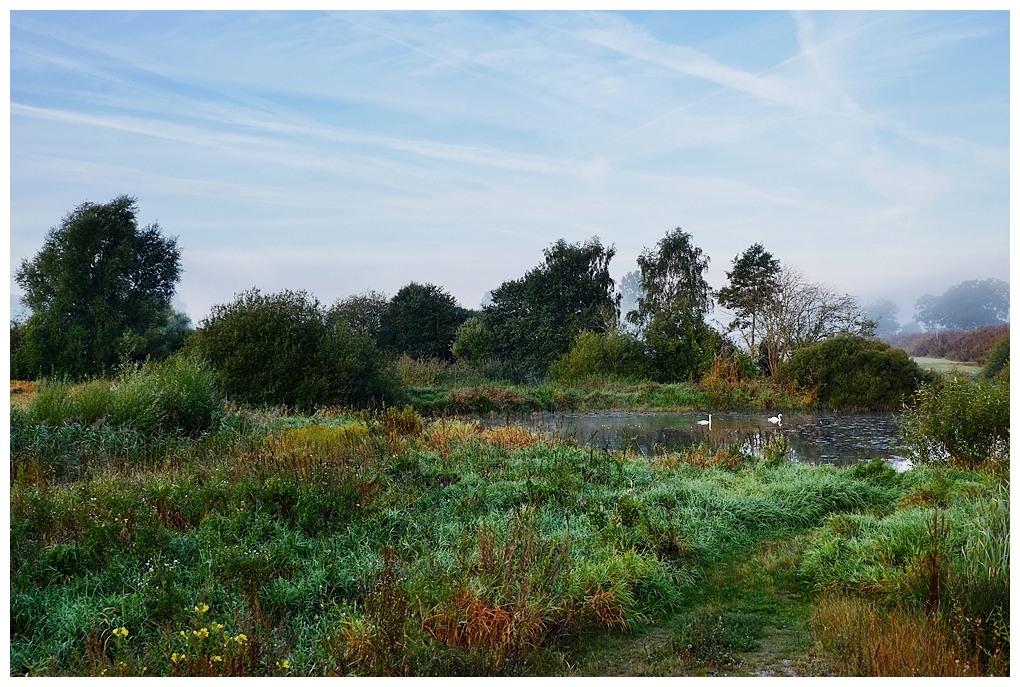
[777,420]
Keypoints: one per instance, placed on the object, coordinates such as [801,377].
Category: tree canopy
[753,282]
[672,306]
[421,321]
[285,349]
[969,304]
[100,291]
[536,318]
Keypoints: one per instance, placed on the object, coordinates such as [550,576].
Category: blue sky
[339,152]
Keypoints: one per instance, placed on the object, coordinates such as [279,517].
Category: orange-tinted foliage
[968,345]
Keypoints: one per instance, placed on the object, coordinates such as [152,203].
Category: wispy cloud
[373,148]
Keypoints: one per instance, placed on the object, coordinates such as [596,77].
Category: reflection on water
[815,438]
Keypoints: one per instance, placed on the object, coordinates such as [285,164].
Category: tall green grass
[944,552]
[382,550]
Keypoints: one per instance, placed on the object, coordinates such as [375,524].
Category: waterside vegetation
[381,543]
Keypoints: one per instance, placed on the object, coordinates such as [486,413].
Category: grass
[945,366]
[382,544]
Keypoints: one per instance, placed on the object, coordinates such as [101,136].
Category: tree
[473,343]
[801,313]
[752,284]
[536,318]
[363,312]
[671,310]
[630,291]
[421,321]
[284,349]
[883,313]
[967,305]
[98,286]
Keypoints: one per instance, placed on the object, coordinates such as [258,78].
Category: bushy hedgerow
[594,357]
[855,373]
[285,349]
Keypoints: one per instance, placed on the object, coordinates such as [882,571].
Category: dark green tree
[998,358]
[967,305]
[672,307]
[421,321]
[536,318]
[753,282]
[283,349]
[99,290]
[364,312]
[850,372]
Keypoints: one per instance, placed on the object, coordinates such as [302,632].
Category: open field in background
[947,367]
[382,544]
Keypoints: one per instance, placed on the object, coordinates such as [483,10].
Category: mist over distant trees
[630,290]
[969,304]
[883,313]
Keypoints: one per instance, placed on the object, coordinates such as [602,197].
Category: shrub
[958,421]
[855,373]
[601,357]
[175,395]
[473,343]
[998,358]
[283,349]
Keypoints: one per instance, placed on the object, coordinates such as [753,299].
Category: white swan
[706,422]
[777,420]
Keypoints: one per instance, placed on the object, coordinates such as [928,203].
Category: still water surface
[815,438]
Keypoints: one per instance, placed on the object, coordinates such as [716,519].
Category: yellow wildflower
[201,608]
[241,638]
[217,658]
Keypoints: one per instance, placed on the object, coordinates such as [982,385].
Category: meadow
[156,532]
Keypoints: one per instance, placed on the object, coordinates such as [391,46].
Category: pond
[814,438]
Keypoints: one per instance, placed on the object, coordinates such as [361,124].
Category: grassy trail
[746,617]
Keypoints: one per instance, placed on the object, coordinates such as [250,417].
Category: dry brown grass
[22,393]
[510,437]
[866,640]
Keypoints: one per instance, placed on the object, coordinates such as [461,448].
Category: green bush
[958,421]
[175,395]
[601,357]
[473,343]
[855,373]
[283,349]
[998,358]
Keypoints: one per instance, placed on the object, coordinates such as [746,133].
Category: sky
[337,152]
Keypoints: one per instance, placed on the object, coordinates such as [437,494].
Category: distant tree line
[100,292]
